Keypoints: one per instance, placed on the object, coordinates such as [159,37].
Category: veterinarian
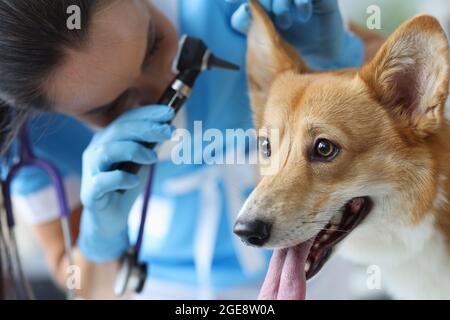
[82,89]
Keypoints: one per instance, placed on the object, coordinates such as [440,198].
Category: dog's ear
[268,55]
[410,74]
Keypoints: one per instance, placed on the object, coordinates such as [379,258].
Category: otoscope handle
[175,96]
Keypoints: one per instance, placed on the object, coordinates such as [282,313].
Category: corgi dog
[364,162]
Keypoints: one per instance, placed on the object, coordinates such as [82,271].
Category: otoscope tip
[215,62]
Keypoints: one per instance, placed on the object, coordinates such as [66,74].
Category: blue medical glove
[314,27]
[104,223]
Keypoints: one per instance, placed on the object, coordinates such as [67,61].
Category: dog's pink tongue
[286,278]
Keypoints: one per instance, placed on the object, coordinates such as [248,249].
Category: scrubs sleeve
[61,141]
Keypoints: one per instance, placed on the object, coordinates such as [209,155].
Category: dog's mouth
[352,214]
[291,267]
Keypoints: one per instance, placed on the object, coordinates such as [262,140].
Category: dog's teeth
[307,266]
[336,220]
[325,237]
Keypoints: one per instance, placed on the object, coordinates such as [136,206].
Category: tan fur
[387,117]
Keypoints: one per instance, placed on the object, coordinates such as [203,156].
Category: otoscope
[193,57]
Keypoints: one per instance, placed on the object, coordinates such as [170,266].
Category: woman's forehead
[110,60]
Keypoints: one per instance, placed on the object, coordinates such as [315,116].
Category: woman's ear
[268,55]
[410,74]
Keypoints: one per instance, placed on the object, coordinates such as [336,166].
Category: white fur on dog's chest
[414,261]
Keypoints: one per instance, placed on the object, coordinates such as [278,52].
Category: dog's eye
[264,147]
[324,150]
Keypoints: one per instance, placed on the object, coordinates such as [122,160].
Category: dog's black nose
[254,232]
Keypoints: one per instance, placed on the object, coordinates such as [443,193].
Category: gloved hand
[314,27]
[104,223]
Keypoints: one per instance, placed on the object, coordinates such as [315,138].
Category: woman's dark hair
[34,37]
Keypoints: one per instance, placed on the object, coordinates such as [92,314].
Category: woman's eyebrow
[108,106]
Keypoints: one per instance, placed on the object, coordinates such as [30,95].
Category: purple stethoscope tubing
[28,159]
[146,201]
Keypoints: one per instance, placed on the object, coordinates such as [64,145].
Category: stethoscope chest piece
[131,275]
